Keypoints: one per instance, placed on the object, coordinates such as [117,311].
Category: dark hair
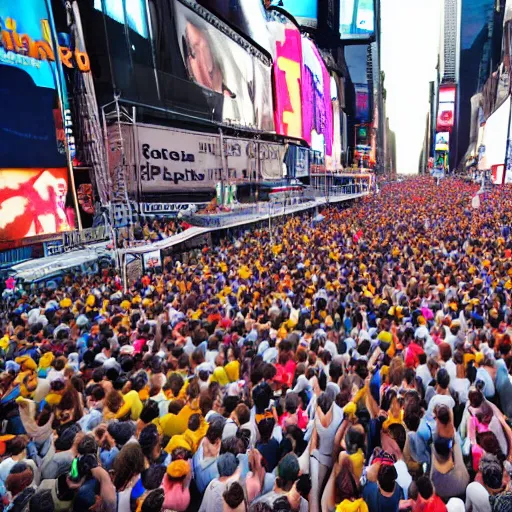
[97,392]
[265,428]
[154,501]
[387,477]
[243,413]
[261,396]
[148,440]
[324,402]
[229,403]
[153,476]
[442,413]
[443,378]
[128,463]
[87,445]
[42,501]
[354,440]
[291,403]
[150,411]
[398,433]
[425,487]
[234,495]
[475,398]
[215,428]
[17,445]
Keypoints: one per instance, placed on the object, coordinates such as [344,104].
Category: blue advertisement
[304,11]
[31,121]
[357,19]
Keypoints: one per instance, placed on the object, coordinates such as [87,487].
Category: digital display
[442,141]
[287,79]
[317,123]
[304,11]
[236,84]
[445,117]
[136,17]
[362,102]
[152,260]
[357,19]
[33,202]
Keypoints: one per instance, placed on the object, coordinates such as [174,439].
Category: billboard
[495,136]
[136,14]
[317,125]
[446,110]
[248,16]
[362,103]
[152,260]
[287,78]
[177,161]
[442,141]
[33,202]
[304,11]
[235,80]
[357,19]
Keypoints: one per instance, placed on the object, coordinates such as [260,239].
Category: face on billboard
[33,202]
[445,115]
[287,79]
[357,19]
[237,84]
[304,11]
[317,124]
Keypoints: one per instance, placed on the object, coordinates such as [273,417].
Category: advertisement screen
[317,123]
[287,78]
[236,82]
[445,116]
[136,17]
[29,120]
[33,202]
[249,16]
[442,141]
[304,11]
[447,94]
[357,19]
[362,102]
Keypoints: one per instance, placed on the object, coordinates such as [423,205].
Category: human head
[492,472]
[386,477]
[227,464]
[128,463]
[288,471]
[19,478]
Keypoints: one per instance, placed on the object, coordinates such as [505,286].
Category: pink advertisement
[287,79]
[317,122]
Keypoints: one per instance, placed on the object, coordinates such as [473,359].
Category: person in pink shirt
[176,486]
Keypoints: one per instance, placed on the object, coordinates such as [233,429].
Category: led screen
[304,11]
[287,78]
[357,19]
[152,260]
[33,202]
[445,116]
[30,108]
[317,123]
[136,17]
[442,141]
[236,83]
[362,102]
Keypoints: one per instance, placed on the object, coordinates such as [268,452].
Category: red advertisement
[287,79]
[33,202]
[446,111]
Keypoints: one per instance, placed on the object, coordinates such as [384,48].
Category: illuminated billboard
[304,11]
[442,141]
[357,19]
[362,103]
[287,78]
[317,125]
[33,202]
[446,111]
[236,81]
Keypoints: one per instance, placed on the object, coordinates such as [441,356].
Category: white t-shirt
[477,498]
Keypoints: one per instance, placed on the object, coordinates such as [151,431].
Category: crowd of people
[357,363]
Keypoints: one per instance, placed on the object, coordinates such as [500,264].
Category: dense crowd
[357,363]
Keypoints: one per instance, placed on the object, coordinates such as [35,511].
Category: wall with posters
[287,76]
[34,192]
[357,19]
[317,126]
[174,161]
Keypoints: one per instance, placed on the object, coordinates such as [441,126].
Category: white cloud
[410,47]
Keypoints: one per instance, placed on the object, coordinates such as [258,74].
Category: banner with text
[175,161]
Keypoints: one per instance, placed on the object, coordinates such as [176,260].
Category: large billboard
[362,103]
[357,19]
[287,78]
[317,123]
[304,11]
[136,14]
[495,137]
[174,161]
[236,80]
[442,141]
[446,110]
[33,202]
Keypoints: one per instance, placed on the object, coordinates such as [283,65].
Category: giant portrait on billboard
[287,77]
[317,124]
[235,80]
[33,202]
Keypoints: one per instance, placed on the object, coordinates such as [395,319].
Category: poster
[33,202]
[336,112]
[317,126]
[152,260]
[442,141]
[362,103]
[287,78]
[173,160]
[236,79]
